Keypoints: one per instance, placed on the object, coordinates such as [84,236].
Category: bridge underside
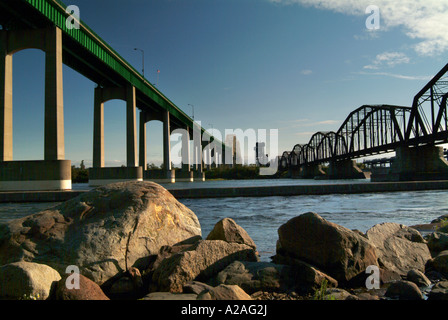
[40,24]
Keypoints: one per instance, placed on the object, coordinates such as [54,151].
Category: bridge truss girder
[432,99]
[370,129]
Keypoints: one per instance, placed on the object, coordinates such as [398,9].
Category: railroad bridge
[41,24]
[415,134]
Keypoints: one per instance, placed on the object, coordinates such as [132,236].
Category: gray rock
[341,253]
[440,263]
[27,280]
[224,292]
[399,248]
[437,242]
[228,230]
[201,261]
[339,294]
[87,290]
[440,219]
[254,276]
[273,277]
[404,290]
[439,291]
[195,287]
[418,278]
[103,232]
[169,296]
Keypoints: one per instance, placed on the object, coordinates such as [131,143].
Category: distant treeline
[81,174]
[239,172]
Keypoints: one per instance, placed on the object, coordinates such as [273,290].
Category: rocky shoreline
[135,241]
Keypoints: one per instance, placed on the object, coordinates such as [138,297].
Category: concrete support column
[6,150]
[185,174]
[131,128]
[186,151]
[142,141]
[200,158]
[223,156]
[209,156]
[54,100]
[166,142]
[200,174]
[195,157]
[98,129]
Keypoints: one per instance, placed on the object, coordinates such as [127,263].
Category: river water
[261,217]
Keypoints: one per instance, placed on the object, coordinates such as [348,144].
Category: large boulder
[339,252]
[27,280]
[399,248]
[103,232]
[228,230]
[200,261]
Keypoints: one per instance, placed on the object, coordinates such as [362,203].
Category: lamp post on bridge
[143,60]
[192,107]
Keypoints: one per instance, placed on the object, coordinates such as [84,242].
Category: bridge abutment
[346,169]
[311,171]
[416,163]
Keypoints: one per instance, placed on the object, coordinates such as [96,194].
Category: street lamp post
[192,107]
[213,130]
[143,60]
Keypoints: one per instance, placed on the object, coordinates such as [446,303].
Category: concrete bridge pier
[54,172]
[294,172]
[99,174]
[167,174]
[311,171]
[185,174]
[417,163]
[346,169]
[199,174]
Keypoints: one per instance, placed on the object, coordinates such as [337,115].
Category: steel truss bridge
[376,129]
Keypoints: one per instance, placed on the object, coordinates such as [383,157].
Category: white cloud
[305,123]
[306,72]
[390,59]
[423,20]
[326,122]
[397,76]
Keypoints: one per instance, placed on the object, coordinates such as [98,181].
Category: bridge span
[41,24]
[414,133]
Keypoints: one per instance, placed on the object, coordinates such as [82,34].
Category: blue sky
[299,66]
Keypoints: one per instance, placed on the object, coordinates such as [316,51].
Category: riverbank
[246,191]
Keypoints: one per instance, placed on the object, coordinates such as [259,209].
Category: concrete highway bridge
[41,24]
[415,134]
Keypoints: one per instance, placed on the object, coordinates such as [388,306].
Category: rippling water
[261,217]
